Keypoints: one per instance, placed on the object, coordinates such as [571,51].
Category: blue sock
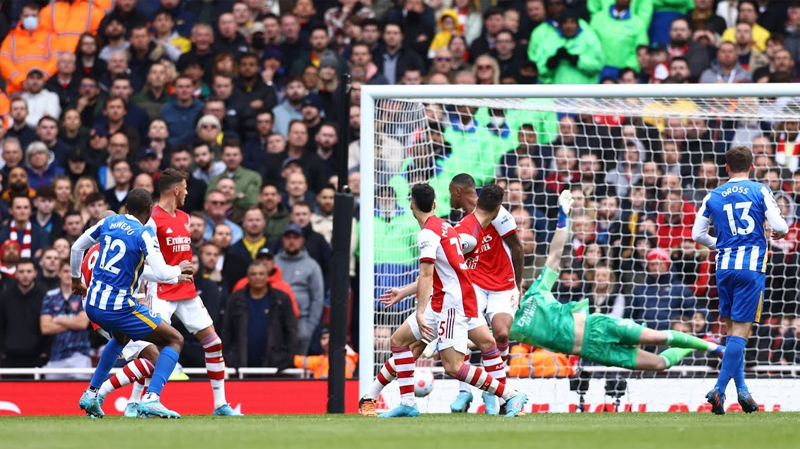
[734,355]
[107,359]
[738,375]
[164,366]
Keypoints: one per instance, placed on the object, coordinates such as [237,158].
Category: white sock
[150,396]
[136,392]
[385,376]
[215,367]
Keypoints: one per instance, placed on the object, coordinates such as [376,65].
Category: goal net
[638,160]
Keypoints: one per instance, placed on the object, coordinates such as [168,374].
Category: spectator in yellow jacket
[319,364]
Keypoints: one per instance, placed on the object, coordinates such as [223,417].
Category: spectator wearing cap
[27,46]
[313,111]
[260,324]
[201,51]
[114,33]
[64,82]
[47,131]
[229,40]
[97,153]
[319,41]
[181,113]
[619,32]
[290,109]
[304,276]
[165,34]
[394,58]
[40,101]
[20,129]
[662,293]
[256,92]
[149,163]
[273,73]
[248,182]
[39,161]
[572,57]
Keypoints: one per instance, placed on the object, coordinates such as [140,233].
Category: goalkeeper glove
[564,206]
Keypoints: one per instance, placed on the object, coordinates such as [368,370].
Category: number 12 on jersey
[744,206]
[116,243]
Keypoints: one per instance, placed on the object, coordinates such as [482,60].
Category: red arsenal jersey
[176,245]
[490,261]
[89,261]
[452,288]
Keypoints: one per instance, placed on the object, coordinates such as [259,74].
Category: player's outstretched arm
[148,275]
[393,295]
[562,230]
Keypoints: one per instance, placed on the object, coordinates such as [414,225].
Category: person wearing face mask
[26,47]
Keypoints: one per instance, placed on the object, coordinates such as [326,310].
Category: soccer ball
[423,383]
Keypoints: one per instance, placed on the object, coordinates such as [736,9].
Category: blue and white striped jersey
[738,210]
[125,244]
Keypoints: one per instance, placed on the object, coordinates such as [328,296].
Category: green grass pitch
[550,431]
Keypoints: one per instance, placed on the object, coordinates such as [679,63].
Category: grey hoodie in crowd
[303,274]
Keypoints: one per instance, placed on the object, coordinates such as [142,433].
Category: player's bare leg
[215,367]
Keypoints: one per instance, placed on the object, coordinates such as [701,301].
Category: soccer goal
[639,159]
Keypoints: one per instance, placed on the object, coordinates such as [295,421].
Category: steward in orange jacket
[24,49]
[69,19]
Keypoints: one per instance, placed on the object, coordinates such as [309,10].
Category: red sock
[481,379]
[404,366]
[215,367]
[494,365]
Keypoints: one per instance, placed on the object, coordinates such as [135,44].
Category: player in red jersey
[171,226]
[495,265]
[447,303]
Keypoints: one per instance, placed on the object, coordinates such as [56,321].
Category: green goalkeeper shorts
[611,341]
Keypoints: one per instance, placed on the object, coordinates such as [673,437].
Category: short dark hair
[26,260]
[16,197]
[95,197]
[47,118]
[493,11]
[231,142]
[72,213]
[46,192]
[162,11]
[181,148]
[116,162]
[116,98]
[318,26]
[463,180]
[423,196]
[739,159]
[138,201]
[170,177]
[490,198]
[301,203]
[394,23]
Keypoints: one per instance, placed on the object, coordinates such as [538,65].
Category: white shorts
[132,350]
[191,312]
[492,303]
[450,324]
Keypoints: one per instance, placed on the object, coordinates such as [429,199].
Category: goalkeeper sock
[164,366]
[385,376]
[107,359]
[734,355]
[738,373]
[404,364]
[673,356]
[678,339]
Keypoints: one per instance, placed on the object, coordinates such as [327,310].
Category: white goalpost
[639,159]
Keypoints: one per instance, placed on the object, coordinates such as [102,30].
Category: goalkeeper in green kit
[543,322]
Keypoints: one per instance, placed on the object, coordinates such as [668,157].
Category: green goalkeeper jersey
[541,320]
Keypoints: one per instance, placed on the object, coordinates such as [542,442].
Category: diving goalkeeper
[543,322]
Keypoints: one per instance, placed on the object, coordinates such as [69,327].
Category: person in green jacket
[664,12]
[572,56]
[248,182]
[643,9]
[619,32]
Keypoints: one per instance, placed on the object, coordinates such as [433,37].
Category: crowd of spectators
[98,96]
